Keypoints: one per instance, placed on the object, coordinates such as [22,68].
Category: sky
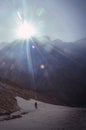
[58,19]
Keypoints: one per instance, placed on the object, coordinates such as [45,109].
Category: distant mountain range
[53,68]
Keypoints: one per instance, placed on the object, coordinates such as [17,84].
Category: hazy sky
[62,19]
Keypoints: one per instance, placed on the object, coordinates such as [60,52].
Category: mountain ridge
[21,63]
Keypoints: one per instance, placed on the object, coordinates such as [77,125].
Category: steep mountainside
[47,66]
[9,92]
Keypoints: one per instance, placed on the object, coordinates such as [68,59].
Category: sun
[26,30]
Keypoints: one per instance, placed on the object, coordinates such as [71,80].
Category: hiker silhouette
[36,106]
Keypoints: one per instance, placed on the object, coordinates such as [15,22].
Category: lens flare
[42,66]
[26,30]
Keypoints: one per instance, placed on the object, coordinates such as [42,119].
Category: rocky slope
[8,102]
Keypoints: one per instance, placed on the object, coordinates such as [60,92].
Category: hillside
[48,68]
[8,102]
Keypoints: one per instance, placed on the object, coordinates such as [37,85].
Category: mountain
[75,50]
[78,51]
[52,68]
[73,83]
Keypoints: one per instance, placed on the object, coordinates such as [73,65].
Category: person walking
[36,106]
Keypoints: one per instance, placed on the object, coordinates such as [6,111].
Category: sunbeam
[30,64]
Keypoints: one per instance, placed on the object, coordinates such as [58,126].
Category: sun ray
[46,63]
[30,64]
[65,55]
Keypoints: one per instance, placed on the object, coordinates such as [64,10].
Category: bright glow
[33,46]
[42,66]
[26,30]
